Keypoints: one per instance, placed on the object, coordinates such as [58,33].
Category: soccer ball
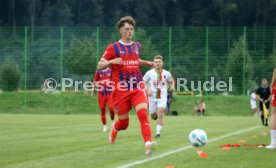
[198,138]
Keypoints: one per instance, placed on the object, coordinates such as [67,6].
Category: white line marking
[183,148]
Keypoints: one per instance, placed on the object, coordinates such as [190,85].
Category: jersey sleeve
[96,76]
[109,53]
[139,48]
[140,45]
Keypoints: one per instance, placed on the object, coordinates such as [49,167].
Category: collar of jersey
[120,41]
[158,71]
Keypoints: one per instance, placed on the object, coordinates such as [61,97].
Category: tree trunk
[32,6]
[12,6]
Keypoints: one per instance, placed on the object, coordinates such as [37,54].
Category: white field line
[183,148]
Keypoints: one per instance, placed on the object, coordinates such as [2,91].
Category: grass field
[80,103]
[67,141]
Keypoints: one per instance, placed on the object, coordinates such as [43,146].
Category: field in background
[65,141]
[81,103]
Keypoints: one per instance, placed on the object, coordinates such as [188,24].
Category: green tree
[272,62]
[57,13]
[9,75]
[235,67]
[43,61]
[81,56]
[88,12]
[148,48]
[188,54]
[273,57]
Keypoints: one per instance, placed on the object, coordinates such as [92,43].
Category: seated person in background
[200,108]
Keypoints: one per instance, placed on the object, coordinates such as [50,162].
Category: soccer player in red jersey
[123,57]
[273,113]
[101,79]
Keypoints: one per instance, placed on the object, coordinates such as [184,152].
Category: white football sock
[147,143]
[273,137]
[104,128]
[158,128]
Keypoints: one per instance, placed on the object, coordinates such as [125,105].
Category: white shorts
[157,103]
[253,105]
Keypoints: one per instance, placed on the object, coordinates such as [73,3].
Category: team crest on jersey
[116,109]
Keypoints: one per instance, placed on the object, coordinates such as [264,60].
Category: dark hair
[126,19]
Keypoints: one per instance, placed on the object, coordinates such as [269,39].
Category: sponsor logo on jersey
[131,62]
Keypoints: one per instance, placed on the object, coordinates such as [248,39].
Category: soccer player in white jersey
[253,104]
[157,81]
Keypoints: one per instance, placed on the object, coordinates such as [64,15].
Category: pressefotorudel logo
[182,84]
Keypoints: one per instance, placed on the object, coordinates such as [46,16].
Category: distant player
[124,58]
[157,80]
[101,79]
[263,95]
[253,104]
[273,113]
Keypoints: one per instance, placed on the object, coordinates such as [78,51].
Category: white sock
[147,143]
[273,137]
[158,128]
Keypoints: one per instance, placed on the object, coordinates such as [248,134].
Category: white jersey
[253,101]
[157,83]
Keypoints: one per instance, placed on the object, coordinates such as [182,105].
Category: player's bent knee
[141,106]
[124,124]
[154,116]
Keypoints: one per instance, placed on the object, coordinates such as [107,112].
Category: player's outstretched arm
[146,63]
[102,64]
[95,84]
[172,86]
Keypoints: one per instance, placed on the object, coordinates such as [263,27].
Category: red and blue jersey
[129,71]
[103,77]
[274,88]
